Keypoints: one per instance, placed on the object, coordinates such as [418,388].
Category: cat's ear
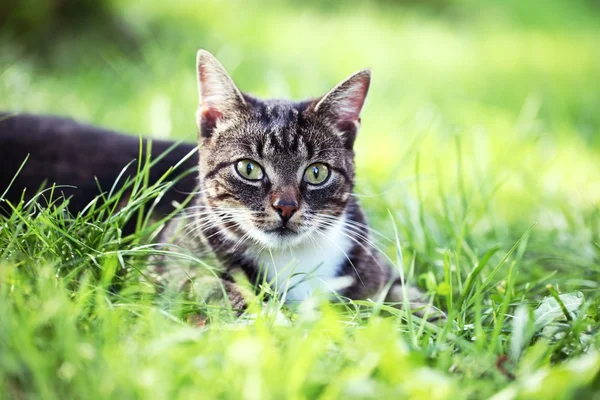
[342,105]
[219,98]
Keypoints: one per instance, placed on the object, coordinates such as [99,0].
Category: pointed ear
[219,98]
[342,105]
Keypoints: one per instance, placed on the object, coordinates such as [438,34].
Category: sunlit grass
[479,144]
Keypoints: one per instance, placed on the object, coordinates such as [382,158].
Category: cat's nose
[285,206]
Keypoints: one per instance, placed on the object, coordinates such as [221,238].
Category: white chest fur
[310,268]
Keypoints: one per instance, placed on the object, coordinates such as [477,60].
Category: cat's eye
[249,169]
[316,173]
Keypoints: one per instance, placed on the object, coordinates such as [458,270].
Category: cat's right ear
[219,98]
[343,104]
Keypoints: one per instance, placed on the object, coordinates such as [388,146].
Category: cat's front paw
[418,303]
[221,293]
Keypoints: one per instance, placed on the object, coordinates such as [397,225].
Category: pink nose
[285,209]
[285,203]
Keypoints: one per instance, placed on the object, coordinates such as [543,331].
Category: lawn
[477,166]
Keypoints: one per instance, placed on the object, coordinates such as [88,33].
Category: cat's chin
[282,231]
[279,238]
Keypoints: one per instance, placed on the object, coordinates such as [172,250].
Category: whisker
[344,253]
[242,240]
[349,235]
[199,229]
[236,224]
[358,225]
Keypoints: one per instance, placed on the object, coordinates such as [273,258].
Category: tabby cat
[275,196]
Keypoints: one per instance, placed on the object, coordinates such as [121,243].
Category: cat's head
[276,173]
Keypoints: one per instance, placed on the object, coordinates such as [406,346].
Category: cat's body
[82,160]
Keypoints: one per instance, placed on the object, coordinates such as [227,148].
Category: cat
[275,198]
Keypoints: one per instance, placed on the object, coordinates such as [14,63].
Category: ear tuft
[343,104]
[219,98]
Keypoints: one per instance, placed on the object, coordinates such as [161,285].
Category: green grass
[479,147]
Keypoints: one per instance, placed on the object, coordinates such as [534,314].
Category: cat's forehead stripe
[279,123]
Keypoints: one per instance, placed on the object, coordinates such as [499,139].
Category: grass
[477,161]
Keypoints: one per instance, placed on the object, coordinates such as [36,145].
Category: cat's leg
[177,277]
[187,268]
[417,301]
[218,291]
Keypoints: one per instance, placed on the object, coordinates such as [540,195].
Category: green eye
[316,173]
[249,169]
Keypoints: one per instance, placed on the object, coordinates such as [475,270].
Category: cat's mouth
[281,237]
[282,231]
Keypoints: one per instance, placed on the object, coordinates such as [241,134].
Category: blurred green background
[482,118]
[482,121]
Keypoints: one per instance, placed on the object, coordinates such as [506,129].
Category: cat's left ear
[343,104]
[219,98]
